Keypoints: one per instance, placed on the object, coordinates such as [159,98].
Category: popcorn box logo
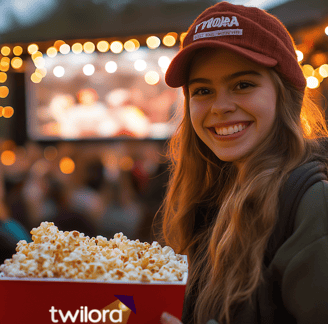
[217,22]
[116,312]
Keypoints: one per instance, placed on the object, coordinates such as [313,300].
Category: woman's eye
[243,85]
[201,92]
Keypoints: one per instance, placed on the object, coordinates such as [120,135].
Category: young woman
[248,123]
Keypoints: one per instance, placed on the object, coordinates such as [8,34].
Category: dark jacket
[296,289]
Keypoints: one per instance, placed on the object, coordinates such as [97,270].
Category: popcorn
[71,255]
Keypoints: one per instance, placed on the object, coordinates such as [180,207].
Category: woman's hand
[167,318]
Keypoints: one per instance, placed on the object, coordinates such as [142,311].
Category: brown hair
[225,252]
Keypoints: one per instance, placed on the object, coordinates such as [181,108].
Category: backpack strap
[299,181]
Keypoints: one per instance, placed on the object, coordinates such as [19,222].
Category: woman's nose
[223,103]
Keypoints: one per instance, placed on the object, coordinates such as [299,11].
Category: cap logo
[218,22]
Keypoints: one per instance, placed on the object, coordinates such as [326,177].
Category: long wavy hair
[225,253]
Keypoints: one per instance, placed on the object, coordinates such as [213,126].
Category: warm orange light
[4,91]
[33,48]
[323,70]
[8,157]
[3,77]
[36,54]
[126,163]
[131,45]
[16,62]
[35,78]
[50,153]
[39,62]
[64,49]
[52,51]
[169,40]
[5,50]
[89,47]
[7,112]
[4,67]
[66,165]
[116,47]
[307,70]
[312,82]
[153,42]
[17,50]
[41,73]
[77,48]
[182,37]
[5,61]
[58,43]
[103,46]
[152,77]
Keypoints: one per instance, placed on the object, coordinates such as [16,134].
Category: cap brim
[176,74]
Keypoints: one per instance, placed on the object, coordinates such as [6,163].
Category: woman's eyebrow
[225,78]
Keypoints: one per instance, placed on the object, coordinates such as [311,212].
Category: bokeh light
[64,49]
[32,48]
[3,77]
[77,48]
[58,43]
[169,40]
[89,69]
[59,71]
[89,47]
[116,47]
[5,50]
[300,55]
[8,157]
[140,65]
[7,112]
[17,50]
[312,82]
[111,67]
[41,72]
[52,51]
[182,37]
[153,42]
[307,70]
[39,62]
[103,46]
[66,165]
[323,70]
[16,62]
[4,91]
[152,77]
[35,55]
[164,62]
[130,46]
[35,78]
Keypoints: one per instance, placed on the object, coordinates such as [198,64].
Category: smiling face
[232,103]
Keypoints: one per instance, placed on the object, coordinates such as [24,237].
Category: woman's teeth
[230,130]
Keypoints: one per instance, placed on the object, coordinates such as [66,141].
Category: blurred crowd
[113,187]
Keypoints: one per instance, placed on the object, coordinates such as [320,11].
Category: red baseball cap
[248,31]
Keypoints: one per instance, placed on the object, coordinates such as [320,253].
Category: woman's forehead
[210,60]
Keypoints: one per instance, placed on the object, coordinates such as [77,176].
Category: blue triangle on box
[127,301]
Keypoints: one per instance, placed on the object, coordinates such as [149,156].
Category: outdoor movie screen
[103,96]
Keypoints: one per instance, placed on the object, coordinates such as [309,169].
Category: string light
[17,50]
[116,47]
[16,62]
[66,165]
[153,42]
[89,69]
[77,48]
[32,48]
[35,78]
[103,46]
[312,82]
[7,112]
[300,55]
[140,65]
[169,40]
[52,51]
[5,50]
[3,77]
[35,55]
[64,49]
[58,43]
[89,47]
[323,70]
[4,91]
[59,71]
